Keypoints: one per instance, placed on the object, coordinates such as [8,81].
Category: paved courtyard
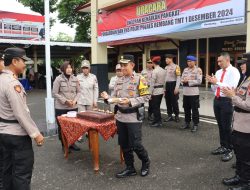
[180,160]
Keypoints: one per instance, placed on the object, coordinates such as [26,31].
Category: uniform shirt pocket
[64,87]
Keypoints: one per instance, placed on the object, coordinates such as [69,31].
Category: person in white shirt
[118,70]
[227,76]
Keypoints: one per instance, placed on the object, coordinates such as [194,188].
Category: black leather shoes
[218,151]
[159,125]
[185,126]
[129,171]
[145,168]
[227,156]
[231,181]
[169,118]
[242,187]
[74,147]
[150,118]
[177,119]
[194,128]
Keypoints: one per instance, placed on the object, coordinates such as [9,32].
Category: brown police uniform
[191,95]
[147,74]
[172,82]
[241,131]
[65,89]
[158,80]
[89,91]
[16,129]
[129,120]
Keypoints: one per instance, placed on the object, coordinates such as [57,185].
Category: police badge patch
[18,88]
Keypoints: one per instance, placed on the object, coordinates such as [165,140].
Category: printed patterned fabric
[74,128]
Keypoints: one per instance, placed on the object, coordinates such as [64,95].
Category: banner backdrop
[21,26]
[152,17]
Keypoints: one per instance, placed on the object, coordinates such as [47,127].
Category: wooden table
[73,128]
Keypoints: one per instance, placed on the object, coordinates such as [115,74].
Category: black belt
[186,85]
[223,98]
[158,86]
[8,121]
[128,109]
[239,110]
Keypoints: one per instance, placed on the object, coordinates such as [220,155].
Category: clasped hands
[70,103]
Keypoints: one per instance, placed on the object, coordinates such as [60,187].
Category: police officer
[158,80]
[241,130]
[147,74]
[191,78]
[113,79]
[66,91]
[130,93]
[88,87]
[172,88]
[16,126]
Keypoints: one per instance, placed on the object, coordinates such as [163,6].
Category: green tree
[38,5]
[62,37]
[68,15]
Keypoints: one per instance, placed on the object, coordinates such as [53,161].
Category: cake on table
[96,115]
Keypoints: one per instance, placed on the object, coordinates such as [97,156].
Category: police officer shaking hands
[130,93]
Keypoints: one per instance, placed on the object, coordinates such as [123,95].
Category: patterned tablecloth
[74,128]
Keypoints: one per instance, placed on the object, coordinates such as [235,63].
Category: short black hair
[225,54]
[7,60]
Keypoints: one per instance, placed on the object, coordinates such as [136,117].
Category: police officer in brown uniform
[158,80]
[66,91]
[130,93]
[88,87]
[172,88]
[16,126]
[241,131]
[191,78]
[147,74]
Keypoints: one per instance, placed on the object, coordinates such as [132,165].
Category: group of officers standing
[166,82]
[130,91]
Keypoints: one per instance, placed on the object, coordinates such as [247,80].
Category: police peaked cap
[16,53]
[126,58]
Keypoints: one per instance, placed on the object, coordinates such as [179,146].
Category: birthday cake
[96,116]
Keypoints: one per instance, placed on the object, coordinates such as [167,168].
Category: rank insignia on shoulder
[178,71]
[18,88]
